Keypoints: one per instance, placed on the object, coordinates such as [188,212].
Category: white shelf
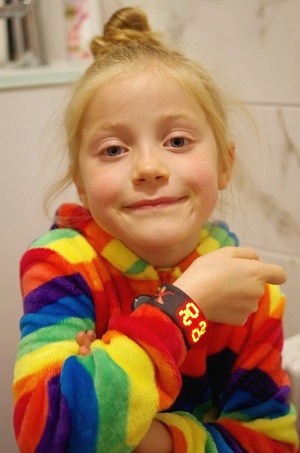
[11,78]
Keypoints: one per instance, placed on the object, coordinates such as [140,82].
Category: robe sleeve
[107,400]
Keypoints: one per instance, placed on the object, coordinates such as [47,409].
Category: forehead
[145,91]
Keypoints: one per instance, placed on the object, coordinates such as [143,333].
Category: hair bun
[128,19]
[127,25]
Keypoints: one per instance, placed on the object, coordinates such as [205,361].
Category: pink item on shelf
[79,30]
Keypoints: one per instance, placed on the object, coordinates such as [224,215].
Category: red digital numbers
[189,316]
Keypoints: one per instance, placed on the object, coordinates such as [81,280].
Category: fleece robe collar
[212,236]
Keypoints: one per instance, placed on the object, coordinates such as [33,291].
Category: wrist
[183,311]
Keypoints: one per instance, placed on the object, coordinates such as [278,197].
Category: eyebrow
[102,127]
[178,116]
[106,125]
[166,117]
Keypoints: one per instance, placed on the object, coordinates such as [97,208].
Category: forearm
[84,387]
[49,373]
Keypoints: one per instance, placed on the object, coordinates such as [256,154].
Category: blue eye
[113,151]
[178,142]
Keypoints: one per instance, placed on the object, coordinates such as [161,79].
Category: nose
[149,166]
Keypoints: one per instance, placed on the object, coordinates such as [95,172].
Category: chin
[160,242]
[159,235]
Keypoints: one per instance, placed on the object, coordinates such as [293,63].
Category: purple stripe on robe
[50,292]
[58,425]
[256,382]
[218,430]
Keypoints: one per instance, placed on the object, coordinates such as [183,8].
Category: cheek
[103,194]
[203,183]
[202,178]
[101,188]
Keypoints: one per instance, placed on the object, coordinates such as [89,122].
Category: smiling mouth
[156,204]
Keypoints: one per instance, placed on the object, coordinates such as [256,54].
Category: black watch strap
[180,308]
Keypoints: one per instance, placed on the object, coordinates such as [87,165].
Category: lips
[155,203]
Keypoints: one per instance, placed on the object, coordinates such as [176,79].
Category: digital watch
[180,308]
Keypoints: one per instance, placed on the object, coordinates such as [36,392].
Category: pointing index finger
[274,274]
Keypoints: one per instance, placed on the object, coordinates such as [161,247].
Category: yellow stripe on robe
[281,429]
[194,435]
[277,301]
[135,362]
[44,357]
[209,245]
[75,250]
[124,259]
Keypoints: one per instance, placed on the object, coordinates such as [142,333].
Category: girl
[146,329]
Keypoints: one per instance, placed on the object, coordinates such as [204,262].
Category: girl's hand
[158,439]
[84,340]
[228,283]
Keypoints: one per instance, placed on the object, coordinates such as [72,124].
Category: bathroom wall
[253,48]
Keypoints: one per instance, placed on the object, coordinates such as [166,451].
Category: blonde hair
[128,41]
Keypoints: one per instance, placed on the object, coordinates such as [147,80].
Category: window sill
[62,74]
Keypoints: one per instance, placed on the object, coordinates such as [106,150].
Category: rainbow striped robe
[230,393]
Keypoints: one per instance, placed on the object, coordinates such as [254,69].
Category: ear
[226,166]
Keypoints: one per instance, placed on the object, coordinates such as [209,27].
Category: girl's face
[148,166]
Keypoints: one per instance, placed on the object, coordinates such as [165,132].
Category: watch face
[191,319]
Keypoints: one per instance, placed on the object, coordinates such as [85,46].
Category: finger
[247,253]
[91,335]
[81,338]
[84,350]
[242,252]
[274,274]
